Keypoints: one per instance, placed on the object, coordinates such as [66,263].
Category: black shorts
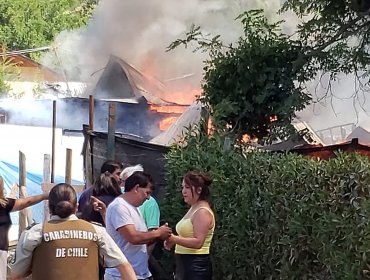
[193,267]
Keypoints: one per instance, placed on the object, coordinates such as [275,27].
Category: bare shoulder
[204,214]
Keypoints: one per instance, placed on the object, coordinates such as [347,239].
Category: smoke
[337,103]
[32,112]
[140,31]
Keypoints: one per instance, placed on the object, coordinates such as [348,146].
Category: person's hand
[169,242]
[164,231]
[98,205]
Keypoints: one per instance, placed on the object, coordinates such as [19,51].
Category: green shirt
[150,211]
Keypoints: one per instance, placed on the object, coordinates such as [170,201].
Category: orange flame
[168,109]
[179,91]
[185,96]
[247,139]
[176,90]
[273,118]
[166,123]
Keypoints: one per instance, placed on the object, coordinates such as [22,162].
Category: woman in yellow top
[195,230]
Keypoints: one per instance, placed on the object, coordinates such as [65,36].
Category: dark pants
[193,267]
[101,272]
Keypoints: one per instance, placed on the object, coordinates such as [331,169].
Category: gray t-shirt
[119,214]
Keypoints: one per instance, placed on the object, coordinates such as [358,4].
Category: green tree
[35,23]
[337,36]
[257,85]
[8,71]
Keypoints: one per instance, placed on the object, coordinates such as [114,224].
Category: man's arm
[112,254]
[135,237]
[126,271]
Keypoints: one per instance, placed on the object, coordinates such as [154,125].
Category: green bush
[279,216]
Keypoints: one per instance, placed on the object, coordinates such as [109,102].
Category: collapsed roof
[121,81]
[175,133]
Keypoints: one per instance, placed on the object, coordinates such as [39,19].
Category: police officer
[66,247]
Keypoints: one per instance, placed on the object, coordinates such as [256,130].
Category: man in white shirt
[127,227]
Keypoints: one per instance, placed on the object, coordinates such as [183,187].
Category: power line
[25,51]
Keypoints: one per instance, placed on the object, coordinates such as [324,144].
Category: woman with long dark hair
[105,190]
[195,230]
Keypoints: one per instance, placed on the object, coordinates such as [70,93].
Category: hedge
[279,216]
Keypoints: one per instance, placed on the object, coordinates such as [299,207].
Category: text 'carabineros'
[70,234]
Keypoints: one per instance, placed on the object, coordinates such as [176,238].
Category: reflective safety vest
[68,250]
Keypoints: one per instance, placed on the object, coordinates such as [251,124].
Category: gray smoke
[345,103]
[139,32]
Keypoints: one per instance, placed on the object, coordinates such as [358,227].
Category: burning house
[140,110]
[140,96]
[142,114]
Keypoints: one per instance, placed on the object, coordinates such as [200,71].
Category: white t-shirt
[120,213]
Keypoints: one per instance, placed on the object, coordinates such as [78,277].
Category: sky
[140,31]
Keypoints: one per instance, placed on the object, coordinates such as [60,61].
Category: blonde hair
[3,199]
[128,171]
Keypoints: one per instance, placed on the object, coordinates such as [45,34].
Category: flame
[273,118]
[178,90]
[166,123]
[246,138]
[185,96]
[168,109]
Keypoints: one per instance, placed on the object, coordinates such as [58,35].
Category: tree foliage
[262,77]
[35,23]
[8,71]
[257,85]
[337,36]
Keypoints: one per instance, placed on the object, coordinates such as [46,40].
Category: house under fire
[140,111]
[140,95]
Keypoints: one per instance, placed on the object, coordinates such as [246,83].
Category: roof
[31,69]
[362,134]
[326,152]
[121,80]
[178,129]
[301,141]
[286,145]
[311,136]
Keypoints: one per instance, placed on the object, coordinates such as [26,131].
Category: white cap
[128,171]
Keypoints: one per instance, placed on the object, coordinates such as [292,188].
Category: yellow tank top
[184,228]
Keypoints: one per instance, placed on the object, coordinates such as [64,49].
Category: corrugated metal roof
[120,80]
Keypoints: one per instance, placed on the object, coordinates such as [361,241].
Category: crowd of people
[112,229]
